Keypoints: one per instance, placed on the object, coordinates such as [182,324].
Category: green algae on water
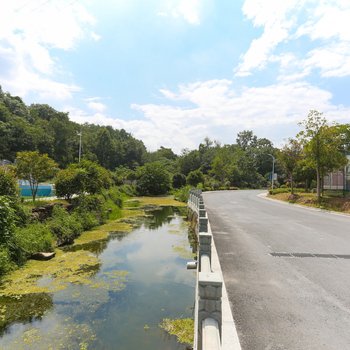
[182,328]
[64,335]
[53,275]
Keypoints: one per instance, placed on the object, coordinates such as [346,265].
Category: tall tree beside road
[290,155]
[34,167]
[322,146]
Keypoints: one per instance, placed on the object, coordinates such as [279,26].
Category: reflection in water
[140,280]
[24,309]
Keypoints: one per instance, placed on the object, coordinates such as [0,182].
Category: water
[121,311]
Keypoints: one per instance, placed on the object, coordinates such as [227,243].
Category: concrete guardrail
[208,303]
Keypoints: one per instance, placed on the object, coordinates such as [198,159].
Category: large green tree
[290,156]
[322,146]
[34,167]
[153,179]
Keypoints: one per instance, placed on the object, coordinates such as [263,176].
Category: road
[283,302]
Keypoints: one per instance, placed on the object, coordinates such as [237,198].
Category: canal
[116,298]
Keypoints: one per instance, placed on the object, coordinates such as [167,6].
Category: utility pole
[79,134]
[273,169]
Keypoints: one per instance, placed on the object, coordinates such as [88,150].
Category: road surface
[283,302]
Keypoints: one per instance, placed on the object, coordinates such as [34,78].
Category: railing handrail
[208,313]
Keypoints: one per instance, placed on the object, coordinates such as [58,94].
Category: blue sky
[172,72]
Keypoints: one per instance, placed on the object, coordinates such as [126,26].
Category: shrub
[5,260]
[7,220]
[182,194]
[153,179]
[8,183]
[179,180]
[195,177]
[33,238]
[64,226]
[129,190]
[88,220]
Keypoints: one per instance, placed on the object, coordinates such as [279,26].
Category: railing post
[209,301]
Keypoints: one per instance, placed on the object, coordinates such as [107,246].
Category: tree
[8,183]
[195,177]
[70,181]
[34,167]
[82,177]
[179,180]
[153,179]
[290,156]
[189,161]
[246,139]
[322,146]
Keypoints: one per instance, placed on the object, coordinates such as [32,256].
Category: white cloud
[219,110]
[323,23]
[97,106]
[28,32]
[189,10]
[273,16]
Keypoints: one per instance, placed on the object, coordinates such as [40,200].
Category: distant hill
[42,128]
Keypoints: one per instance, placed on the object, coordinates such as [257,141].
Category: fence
[208,299]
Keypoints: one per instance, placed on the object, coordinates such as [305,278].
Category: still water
[141,278]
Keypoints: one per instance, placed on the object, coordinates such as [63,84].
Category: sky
[172,72]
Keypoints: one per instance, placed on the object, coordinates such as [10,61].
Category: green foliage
[41,128]
[34,167]
[322,146]
[195,177]
[179,180]
[5,260]
[189,161]
[7,220]
[182,193]
[32,239]
[153,179]
[95,179]
[64,227]
[128,190]
[8,183]
[70,181]
[80,178]
[290,156]
[123,174]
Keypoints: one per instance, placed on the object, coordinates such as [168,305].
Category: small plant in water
[182,328]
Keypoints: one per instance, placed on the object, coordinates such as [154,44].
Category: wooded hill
[39,127]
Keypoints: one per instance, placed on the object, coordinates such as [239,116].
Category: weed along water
[105,292]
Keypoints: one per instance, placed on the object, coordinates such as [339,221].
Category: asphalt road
[283,302]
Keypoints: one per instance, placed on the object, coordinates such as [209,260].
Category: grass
[330,201]
[161,201]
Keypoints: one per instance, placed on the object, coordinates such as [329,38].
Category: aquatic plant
[182,328]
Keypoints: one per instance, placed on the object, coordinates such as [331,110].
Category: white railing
[208,304]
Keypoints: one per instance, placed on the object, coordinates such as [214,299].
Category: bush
[153,179]
[8,183]
[195,177]
[279,190]
[129,190]
[5,261]
[182,194]
[64,227]
[88,220]
[179,180]
[32,239]
[7,220]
